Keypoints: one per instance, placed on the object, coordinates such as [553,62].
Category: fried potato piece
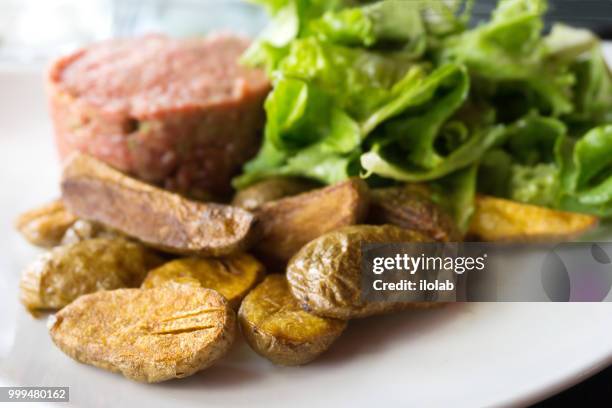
[275,188]
[147,335]
[94,191]
[83,230]
[496,219]
[325,275]
[67,272]
[233,276]
[275,326]
[410,206]
[291,222]
[46,225]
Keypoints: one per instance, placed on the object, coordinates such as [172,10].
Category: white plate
[461,355]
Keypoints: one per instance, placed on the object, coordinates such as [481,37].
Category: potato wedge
[147,335]
[275,326]
[46,225]
[410,206]
[496,219]
[96,192]
[233,276]
[289,223]
[325,275]
[67,272]
[275,188]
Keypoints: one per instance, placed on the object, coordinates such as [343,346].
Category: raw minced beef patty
[179,113]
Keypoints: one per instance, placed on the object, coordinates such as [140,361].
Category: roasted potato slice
[275,326]
[275,188]
[96,192]
[147,335]
[46,225]
[233,276]
[83,230]
[291,222]
[67,272]
[325,275]
[496,219]
[410,206]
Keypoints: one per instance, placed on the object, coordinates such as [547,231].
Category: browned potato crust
[94,191]
[275,188]
[147,335]
[496,219]
[45,226]
[289,223]
[277,328]
[325,275]
[410,206]
[233,276]
[67,272]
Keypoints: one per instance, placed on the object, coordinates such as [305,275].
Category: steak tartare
[182,114]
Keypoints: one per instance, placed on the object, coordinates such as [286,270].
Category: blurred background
[33,30]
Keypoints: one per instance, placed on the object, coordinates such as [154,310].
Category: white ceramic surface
[462,355]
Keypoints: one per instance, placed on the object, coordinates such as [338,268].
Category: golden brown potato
[96,192]
[83,230]
[233,276]
[275,188]
[325,275]
[147,335]
[67,272]
[410,206]
[277,328]
[496,219]
[291,222]
[46,225]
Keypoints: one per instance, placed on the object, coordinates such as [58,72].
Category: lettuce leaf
[565,44]
[358,80]
[289,19]
[456,193]
[306,135]
[316,109]
[510,48]
[524,167]
[586,172]
[389,23]
[404,91]
[593,88]
[538,184]
[384,162]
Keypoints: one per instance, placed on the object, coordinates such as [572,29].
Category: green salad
[402,91]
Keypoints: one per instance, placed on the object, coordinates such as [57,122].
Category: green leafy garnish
[404,91]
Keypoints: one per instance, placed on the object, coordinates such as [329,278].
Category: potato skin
[411,207]
[46,225]
[275,326]
[96,192]
[233,276]
[497,219]
[289,223]
[274,188]
[147,335]
[83,230]
[325,275]
[69,271]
